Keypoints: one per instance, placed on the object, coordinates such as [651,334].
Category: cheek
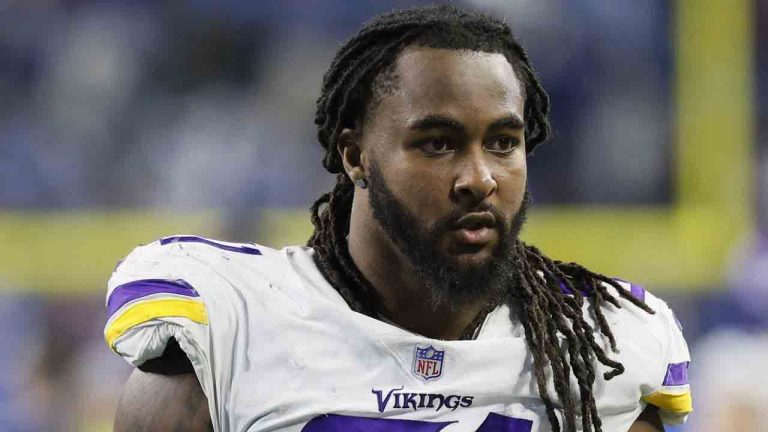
[514,171]
[423,188]
[511,182]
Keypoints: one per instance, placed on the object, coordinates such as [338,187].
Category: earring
[361,183]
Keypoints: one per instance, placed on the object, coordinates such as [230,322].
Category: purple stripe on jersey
[141,288]
[501,423]
[339,423]
[194,239]
[677,374]
[565,290]
[637,292]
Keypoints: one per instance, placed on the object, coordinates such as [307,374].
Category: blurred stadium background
[124,121]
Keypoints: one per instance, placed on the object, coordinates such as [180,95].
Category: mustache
[451,220]
[504,224]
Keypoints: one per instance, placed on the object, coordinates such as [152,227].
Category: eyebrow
[435,121]
[510,122]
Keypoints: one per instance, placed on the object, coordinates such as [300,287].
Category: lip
[478,236]
[476,221]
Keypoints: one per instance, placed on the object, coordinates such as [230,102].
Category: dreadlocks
[360,74]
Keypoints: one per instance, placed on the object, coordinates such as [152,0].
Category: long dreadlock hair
[361,73]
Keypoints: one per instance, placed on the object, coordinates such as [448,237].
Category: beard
[450,282]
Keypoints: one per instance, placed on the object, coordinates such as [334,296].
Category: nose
[474,180]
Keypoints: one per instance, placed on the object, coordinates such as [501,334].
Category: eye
[503,144]
[437,145]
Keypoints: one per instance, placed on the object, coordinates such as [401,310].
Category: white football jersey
[276,348]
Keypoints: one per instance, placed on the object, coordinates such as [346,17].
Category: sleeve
[672,393]
[163,293]
[149,301]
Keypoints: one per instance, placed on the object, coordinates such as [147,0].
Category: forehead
[467,85]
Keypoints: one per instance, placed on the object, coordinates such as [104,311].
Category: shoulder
[181,283]
[658,321]
[650,325]
[194,267]
[177,254]
[654,342]
[172,302]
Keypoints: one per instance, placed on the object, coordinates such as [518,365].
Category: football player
[415,306]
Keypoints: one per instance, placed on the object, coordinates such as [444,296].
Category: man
[417,308]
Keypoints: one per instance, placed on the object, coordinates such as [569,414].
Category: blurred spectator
[123,104]
[730,382]
[24,390]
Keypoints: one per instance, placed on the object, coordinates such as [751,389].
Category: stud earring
[361,183]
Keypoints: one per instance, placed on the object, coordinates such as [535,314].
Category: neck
[403,298]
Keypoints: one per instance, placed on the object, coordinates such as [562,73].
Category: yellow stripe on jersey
[144,311]
[678,403]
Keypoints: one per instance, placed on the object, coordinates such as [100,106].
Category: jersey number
[338,423]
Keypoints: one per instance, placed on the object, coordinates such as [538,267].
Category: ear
[352,155]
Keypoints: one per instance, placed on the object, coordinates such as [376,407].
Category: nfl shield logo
[428,362]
